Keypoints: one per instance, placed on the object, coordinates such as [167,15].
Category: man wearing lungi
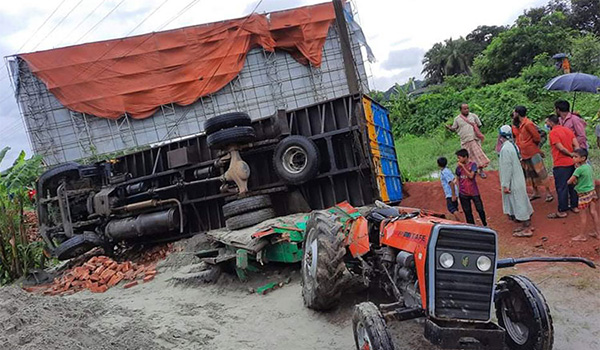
[467,126]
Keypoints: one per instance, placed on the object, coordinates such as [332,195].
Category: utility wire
[187,7]
[110,49]
[80,23]
[58,24]
[219,66]
[34,33]
[100,21]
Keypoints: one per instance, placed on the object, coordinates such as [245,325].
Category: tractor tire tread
[545,333]
[374,324]
[330,273]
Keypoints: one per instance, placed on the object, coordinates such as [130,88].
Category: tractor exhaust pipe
[149,224]
[510,262]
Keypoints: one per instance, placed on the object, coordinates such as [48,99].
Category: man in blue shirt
[450,188]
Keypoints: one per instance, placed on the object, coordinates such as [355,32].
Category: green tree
[585,54]
[586,16]
[516,48]
[434,64]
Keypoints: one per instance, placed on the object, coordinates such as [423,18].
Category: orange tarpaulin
[136,75]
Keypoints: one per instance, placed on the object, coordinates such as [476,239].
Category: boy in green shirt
[584,186]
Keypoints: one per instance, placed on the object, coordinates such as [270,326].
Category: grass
[417,155]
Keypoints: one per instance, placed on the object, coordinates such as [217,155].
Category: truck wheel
[77,245]
[370,330]
[296,159]
[238,135]
[245,205]
[323,262]
[67,170]
[523,312]
[249,219]
[228,120]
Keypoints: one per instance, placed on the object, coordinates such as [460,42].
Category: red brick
[99,289]
[99,270]
[114,265]
[107,274]
[148,278]
[130,284]
[118,277]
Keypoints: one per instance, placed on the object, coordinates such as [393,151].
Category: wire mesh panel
[268,81]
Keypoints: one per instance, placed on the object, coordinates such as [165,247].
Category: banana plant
[17,255]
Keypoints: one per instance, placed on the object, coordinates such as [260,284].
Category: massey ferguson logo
[415,237]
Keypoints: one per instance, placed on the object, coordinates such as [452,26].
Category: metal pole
[347,56]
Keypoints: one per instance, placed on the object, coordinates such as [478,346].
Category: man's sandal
[558,215]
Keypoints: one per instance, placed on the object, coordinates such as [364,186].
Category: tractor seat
[377,215]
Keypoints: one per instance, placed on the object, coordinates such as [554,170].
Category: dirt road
[225,315]
[161,315]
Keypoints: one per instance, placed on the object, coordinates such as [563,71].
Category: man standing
[467,126]
[528,139]
[562,142]
[571,121]
[515,202]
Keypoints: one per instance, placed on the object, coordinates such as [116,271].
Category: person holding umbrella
[571,121]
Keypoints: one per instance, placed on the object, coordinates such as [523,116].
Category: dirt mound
[557,232]
[35,322]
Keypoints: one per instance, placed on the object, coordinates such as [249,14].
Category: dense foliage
[493,54]
[17,254]
[496,68]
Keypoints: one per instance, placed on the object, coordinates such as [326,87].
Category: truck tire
[296,159]
[245,205]
[238,135]
[225,121]
[370,329]
[323,265]
[70,170]
[523,312]
[78,245]
[249,219]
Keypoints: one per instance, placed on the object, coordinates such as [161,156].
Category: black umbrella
[575,82]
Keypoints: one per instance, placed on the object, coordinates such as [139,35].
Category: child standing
[467,187]
[450,188]
[586,191]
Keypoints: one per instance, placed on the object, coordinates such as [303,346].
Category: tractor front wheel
[323,268]
[370,330]
[523,312]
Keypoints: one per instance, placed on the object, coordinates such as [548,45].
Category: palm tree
[434,64]
[456,60]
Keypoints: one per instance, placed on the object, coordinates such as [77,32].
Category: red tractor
[430,267]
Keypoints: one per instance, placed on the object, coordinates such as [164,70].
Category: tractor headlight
[446,260]
[484,263]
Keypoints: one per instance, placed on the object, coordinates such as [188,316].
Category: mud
[178,311]
[227,315]
[29,321]
[551,236]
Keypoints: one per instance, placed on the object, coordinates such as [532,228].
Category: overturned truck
[237,174]
[226,124]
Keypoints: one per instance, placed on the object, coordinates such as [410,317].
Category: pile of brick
[99,274]
[31,228]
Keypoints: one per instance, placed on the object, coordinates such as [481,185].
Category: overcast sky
[399,32]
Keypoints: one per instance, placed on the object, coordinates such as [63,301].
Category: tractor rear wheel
[323,268]
[523,312]
[370,330]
